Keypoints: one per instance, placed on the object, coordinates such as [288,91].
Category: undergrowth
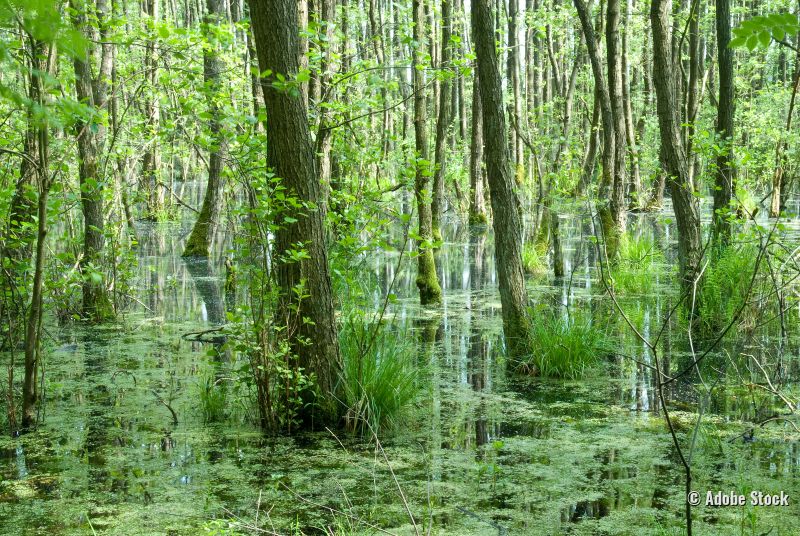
[563,347]
[380,380]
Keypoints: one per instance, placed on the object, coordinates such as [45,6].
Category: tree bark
[683,200]
[442,123]
[724,178]
[614,59]
[477,207]
[96,305]
[291,155]
[199,243]
[151,162]
[427,281]
[507,219]
[601,91]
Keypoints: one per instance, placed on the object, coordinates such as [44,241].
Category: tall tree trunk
[601,91]
[427,281]
[96,305]
[724,178]
[33,324]
[683,200]
[477,206]
[291,155]
[630,131]
[442,123]
[507,219]
[151,162]
[199,243]
[614,59]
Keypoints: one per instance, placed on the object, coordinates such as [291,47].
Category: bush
[563,348]
[379,377]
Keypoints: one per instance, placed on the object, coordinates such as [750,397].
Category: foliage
[563,347]
[640,259]
[724,288]
[532,258]
[379,376]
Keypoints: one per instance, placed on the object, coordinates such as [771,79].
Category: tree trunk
[617,205]
[442,123]
[291,155]
[33,323]
[96,305]
[477,207]
[724,178]
[427,281]
[507,220]
[683,200]
[199,243]
[151,162]
[601,91]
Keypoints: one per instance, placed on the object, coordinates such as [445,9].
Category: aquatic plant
[724,287]
[533,259]
[380,381]
[563,347]
[639,259]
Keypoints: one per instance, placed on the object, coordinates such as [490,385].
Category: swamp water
[481,452]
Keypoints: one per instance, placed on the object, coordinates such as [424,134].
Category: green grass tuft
[563,348]
[379,377]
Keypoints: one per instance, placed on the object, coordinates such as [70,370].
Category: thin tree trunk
[442,124]
[614,59]
[427,281]
[477,207]
[724,178]
[199,243]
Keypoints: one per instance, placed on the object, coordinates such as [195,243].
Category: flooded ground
[125,446]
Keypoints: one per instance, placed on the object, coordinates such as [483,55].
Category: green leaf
[738,42]
[765,37]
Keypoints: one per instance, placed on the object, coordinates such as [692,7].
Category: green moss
[430,293]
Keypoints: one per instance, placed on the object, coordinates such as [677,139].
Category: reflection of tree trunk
[208,288]
[477,354]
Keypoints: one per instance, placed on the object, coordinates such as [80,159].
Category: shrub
[563,347]
[379,377]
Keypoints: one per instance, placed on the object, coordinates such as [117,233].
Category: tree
[684,202]
[90,91]
[290,153]
[724,176]
[443,121]
[506,216]
[199,242]
[427,281]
